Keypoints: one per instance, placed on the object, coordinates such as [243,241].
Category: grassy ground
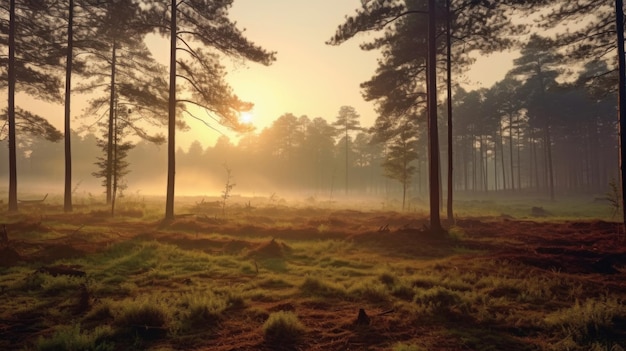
[276,277]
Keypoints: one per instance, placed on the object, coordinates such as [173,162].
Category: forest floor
[286,278]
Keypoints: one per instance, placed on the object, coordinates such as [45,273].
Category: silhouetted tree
[504,104]
[28,36]
[400,155]
[539,66]
[121,67]
[114,174]
[404,46]
[347,121]
[193,24]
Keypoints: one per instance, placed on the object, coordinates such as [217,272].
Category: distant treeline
[494,151]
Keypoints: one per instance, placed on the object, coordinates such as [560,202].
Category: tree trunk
[450,144]
[549,162]
[519,159]
[511,152]
[67,203]
[503,161]
[11,112]
[498,141]
[433,133]
[405,180]
[483,165]
[113,93]
[474,165]
[171,127]
[619,23]
[346,190]
[465,163]
[114,159]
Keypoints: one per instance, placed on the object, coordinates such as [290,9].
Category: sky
[308,78]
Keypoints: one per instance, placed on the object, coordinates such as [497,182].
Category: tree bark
[67,202]
[171,130]
[619,23]
[511,152]
[450,144]
[11,112]
[433,133]
[109,170]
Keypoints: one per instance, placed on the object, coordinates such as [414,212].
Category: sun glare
[246,118]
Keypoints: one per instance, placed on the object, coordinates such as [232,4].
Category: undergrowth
[145,289]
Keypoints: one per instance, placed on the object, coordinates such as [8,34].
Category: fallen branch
[33,201]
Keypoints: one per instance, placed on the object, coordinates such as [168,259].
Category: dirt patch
[9,257]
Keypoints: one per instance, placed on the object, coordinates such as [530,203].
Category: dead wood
[33,201]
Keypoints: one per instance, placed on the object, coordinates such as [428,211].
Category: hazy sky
[309,77]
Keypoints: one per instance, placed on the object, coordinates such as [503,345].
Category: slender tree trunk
[483,166]
[474,166]
[536,164]
[171,130]
[486,170]
[346,190]
[503,161]
[433,133]
[619,23]
[511,151]
[450,143]
[496,180]
[114,159]
[67,203]
[549,162]
[11,112]
[405,180]
[109,169]
[466,149]
[519,159]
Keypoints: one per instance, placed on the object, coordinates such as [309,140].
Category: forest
[314,232]
[546,128]
[500,148]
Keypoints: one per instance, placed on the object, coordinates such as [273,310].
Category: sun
[246,117]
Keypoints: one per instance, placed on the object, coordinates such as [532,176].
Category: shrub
[148,319]
[441,301]
[587,322]
[372,291]
[283,328]
[72,338]
[204,309]
[316,287]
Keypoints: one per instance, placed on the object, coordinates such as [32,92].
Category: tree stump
[362,318]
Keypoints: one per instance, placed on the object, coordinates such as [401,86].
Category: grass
[283,329]
[151,288]
[74,338]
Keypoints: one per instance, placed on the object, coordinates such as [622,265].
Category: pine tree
[32,54]
[191,25]
[347,121]
[122,69]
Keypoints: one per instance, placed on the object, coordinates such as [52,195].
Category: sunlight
[246,117]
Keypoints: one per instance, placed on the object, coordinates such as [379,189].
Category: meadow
[276,275]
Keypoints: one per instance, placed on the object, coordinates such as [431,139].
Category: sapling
[227,188]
